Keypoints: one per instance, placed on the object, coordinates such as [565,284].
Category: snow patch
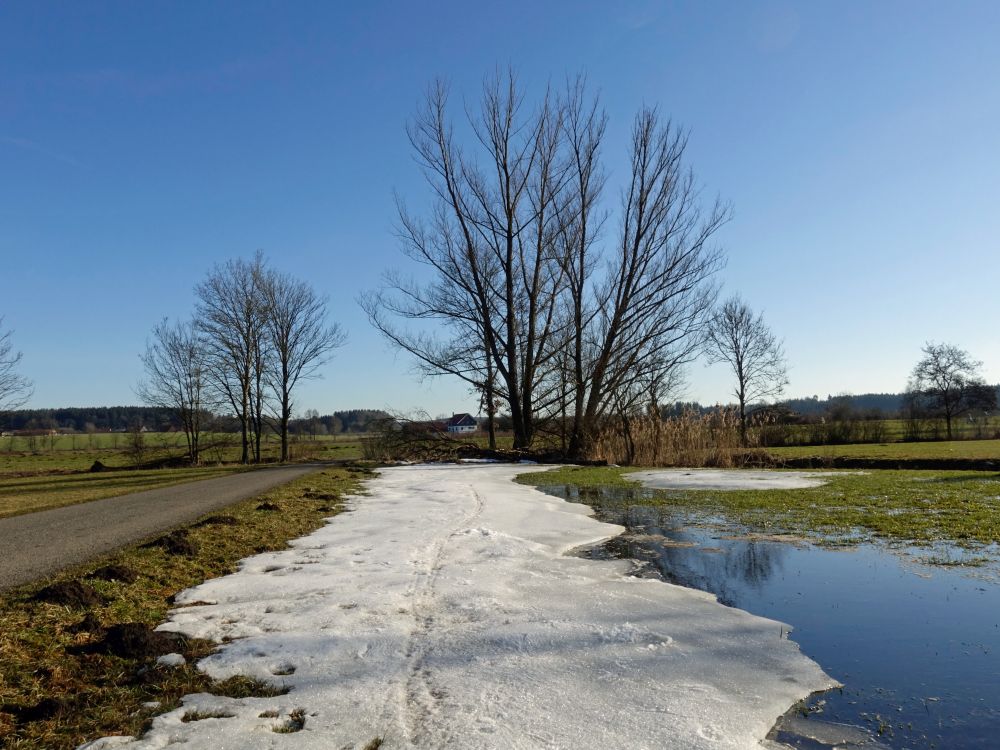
[171,660]
[441,612]
[730,479]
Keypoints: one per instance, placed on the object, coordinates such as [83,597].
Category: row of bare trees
[532,296]
[255,335]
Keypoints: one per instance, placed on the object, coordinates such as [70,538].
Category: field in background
[28,494]
[62,453]
[50,471]
[979,450]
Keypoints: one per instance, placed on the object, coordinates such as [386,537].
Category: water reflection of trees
[655,537]
[659,538]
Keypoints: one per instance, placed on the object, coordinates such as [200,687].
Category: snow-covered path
[441,612]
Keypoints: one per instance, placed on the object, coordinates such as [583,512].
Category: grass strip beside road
[53,697]
[20,495]
[922,507]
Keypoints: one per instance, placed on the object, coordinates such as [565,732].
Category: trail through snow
[442,612]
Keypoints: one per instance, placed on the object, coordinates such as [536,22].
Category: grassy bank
[64,676]
[958,507]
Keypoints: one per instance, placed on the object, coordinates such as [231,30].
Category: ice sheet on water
[730,479]
[441,612]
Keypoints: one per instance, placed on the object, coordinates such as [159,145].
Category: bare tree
[490,244]
[756,357]
[530,316]
[231,318]
[300,339]
[15,389]
[175,378]
[947,381]
[652,307]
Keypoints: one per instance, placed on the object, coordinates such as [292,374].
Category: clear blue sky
[859,144]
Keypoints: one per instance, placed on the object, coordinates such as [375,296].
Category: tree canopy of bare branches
[15,389]
[947,381]
[755,355]
[533,306]
[174,362]
[261,333]
[231,317]
[300,340]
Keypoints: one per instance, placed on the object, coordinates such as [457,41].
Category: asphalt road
[37,545]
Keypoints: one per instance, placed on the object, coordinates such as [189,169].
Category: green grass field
[53,471]
[65,453]
[956,449]
[28,494]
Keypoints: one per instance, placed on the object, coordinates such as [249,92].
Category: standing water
[915,645]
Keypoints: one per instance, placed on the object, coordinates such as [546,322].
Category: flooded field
[915,643]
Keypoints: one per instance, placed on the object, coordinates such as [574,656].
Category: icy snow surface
[441,612]
[730,479]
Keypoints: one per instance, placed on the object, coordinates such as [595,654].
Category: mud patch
[70,594]
[135,640]
[175,543]
[120,573]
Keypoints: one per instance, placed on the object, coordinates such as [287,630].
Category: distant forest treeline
[120,418]
[863,405]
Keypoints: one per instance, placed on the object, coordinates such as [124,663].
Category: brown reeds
[688,440]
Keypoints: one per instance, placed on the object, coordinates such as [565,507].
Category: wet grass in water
[956,507]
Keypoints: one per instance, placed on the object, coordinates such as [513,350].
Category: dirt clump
[135,640]
[70,594]
[89,624]
[46,708]
[268,506]
[217,521]
[175,543]
[312,495]
[119,573]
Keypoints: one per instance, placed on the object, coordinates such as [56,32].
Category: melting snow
[441,612]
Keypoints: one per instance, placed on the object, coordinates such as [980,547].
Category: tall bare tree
[755,355]
[529,311]
[301,340]
[948,381]
[490,244]
[653,304]
[174,362]
[231,317]
[15,389]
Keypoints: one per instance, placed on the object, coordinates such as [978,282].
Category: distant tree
[301,340]
[744,341]
[947,382]
[174,362]
[15,389]
[231,318]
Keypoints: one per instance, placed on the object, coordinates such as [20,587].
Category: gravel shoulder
[37,545]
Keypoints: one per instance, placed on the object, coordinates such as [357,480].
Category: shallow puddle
[916,646]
